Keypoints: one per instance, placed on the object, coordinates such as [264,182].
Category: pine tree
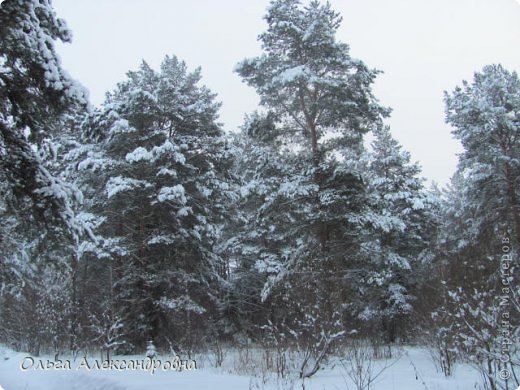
[321,102]
[38,255]
[482,218]
[35,96]
[399,227]
[486,119]
[256,236]
[165,186]
[34,92]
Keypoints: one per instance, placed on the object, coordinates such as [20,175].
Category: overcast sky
[423,47]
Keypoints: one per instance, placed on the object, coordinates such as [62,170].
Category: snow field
[240,369]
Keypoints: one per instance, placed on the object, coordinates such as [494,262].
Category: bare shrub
[358,364]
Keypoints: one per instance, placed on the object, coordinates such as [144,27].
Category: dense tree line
[142,220]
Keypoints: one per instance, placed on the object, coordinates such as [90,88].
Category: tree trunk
[74,304]
[311,128]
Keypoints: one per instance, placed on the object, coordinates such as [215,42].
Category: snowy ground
[414,370]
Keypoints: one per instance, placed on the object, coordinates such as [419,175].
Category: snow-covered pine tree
[52,256]
[484,207]
[90,256]
[485,115]
[34,92]
[34,272]
[399,226]
[481,218]
[165,186]
[321,99]
[256,237]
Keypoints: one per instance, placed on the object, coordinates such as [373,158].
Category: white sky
[423,46]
